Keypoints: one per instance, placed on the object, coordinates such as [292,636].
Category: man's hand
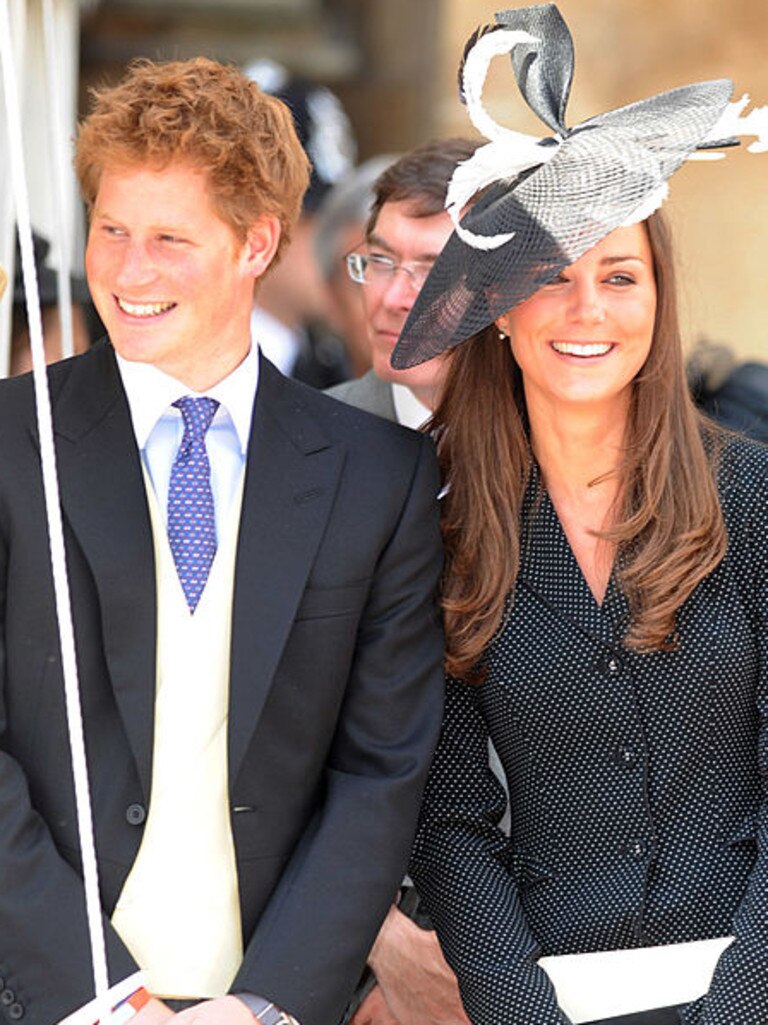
[221,1011]
[374,1010]
[418,986]
[154,1012]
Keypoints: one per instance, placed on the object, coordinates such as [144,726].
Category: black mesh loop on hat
[605,173]
[544,70]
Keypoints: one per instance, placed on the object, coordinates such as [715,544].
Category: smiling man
[169,276]
[253,595]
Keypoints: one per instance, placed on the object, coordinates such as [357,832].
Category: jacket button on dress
[636,849]
[16,1012]
[609,665]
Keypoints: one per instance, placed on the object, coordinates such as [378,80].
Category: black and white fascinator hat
[544,202]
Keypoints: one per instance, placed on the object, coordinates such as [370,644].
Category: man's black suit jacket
[335,690]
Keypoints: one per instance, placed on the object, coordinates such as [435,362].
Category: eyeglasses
[380,270]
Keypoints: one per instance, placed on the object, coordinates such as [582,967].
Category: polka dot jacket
[638,782]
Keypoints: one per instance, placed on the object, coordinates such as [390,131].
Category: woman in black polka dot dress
[606,609]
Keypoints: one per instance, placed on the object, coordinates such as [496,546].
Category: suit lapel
[104,502]
[291,480]
[290,484]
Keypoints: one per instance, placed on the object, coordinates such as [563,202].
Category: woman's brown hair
[669,529]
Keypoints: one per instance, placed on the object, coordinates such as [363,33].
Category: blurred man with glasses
[407,228]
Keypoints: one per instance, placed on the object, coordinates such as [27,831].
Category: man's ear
[261,244]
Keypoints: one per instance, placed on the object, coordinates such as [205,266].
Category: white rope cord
[59,178]
[53,513]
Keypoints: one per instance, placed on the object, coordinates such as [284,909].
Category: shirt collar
[279,343]
[151,392]
[410,411]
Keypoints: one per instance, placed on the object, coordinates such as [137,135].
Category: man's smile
[143,309]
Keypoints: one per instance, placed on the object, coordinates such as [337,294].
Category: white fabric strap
[89,1013]
[53,515]
[607,983]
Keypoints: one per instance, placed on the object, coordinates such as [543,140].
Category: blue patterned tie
[191,517]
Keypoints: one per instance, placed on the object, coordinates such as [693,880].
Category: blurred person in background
[339,229]
[290,314]
[733,392]
[86,325]
[407,227]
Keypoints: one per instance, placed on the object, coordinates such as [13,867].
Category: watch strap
[265,1011]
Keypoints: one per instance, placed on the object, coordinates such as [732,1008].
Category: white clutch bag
[607,983]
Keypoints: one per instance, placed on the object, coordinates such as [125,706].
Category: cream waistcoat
[179,911]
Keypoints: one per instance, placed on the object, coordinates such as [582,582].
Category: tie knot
[197,415]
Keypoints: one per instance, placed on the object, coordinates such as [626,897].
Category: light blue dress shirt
[158,425]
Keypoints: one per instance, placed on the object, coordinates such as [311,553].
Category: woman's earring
[502,336]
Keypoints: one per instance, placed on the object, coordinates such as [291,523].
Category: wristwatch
[265,1011]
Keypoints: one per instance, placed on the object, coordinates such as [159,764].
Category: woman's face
[581,340]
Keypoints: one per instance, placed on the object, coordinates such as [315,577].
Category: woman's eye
[621,279]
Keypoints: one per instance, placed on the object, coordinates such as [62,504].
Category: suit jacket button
[135,814]
[16,1012]
[7,996]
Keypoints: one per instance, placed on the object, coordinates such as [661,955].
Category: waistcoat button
[135,814]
